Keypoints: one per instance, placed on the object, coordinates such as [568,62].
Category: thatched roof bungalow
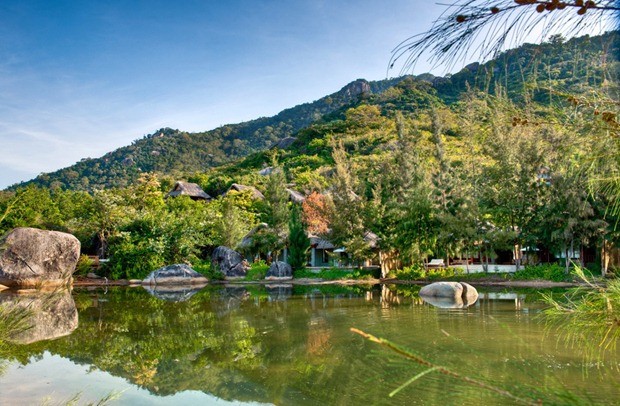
[235,187]
[192,190]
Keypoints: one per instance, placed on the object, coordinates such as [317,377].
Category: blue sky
[81,78]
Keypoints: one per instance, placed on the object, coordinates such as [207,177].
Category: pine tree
[298,240]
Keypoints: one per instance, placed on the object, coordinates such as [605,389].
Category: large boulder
[229,262]
[177,274]
[443,289]
[31,258]
[279,270]
[46,316]
[449,294]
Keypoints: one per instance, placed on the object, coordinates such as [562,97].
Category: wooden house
[192,190]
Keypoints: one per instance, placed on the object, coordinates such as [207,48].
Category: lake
[292,345]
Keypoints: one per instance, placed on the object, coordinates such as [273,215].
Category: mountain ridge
[522,72]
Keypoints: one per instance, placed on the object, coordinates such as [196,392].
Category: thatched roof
[320,243]
[256,194]
[372,239]
[189,189]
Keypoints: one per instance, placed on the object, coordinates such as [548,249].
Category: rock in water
[443,289]
[470,294]
[46,316]
[31,258]
[177,274]
[229,262]
[279,270]
[450,294]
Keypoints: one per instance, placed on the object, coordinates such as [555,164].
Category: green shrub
[204,268]
[84,265]
[257,271]
[409,273]
[442,273]
[550,272]
[337,273]
[593,269]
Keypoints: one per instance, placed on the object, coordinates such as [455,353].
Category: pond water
[290,345]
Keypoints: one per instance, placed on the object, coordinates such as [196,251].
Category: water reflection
[172,293]
[47,315]
[287,344]
[448,302]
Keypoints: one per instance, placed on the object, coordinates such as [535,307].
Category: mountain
[175,152]
[525,73]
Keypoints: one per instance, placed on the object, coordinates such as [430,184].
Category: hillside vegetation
[520,152]
[540,73]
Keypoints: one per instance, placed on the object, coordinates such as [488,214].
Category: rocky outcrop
[284,143]
[449,294]
[229,262]
[177,274]
[45,316]
[32,258]
[279,270]
[356,88]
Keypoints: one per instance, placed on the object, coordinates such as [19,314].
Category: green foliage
[204,268]
[13,321]
[496,157]
[443,273]
[588,316]
[337,274]
[550,272]
[84,265]
[234,217]
[258,271]
[409,273]
[298,242]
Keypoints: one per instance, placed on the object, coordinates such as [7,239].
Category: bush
[84,265]
[337,273]
[412,272]
[442,273]
[550,272]
[204,268]
[257,271]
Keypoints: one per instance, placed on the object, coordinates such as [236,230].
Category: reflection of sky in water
[293,345]
[24,385]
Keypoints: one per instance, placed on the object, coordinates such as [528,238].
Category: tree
[232,222]
[315,214]
[298,242]
[347,206]
[277,199]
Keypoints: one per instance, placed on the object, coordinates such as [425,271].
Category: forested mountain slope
[540,73]
[174,152]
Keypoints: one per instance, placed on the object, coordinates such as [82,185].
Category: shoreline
[535,283]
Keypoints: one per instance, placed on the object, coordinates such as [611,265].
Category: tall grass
[12,322]
[588,317]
